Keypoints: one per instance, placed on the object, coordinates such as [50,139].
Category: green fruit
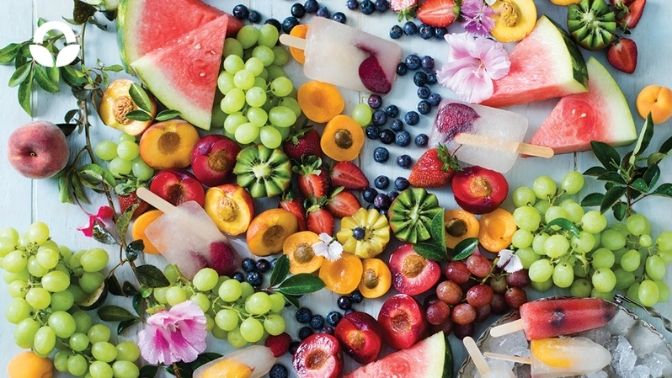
[411,214]
[592,24]
[262,171]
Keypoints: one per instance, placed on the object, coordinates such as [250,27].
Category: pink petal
[154,347]
[497,62]
[88,230]
[105,212]
[459,46]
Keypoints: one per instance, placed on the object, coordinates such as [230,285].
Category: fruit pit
[304,253]
[218,161]
[343,138]
[169,142]
[228,209]
[273,235]
[122,106]
[370,279]
[413,265]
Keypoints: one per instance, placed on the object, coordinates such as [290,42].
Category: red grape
[518,278]
[457,272]
[449,292]
[498,304]
[515,297]
[479,295]
[446,327]
[429,300]
[463,313]
[498,284]
[463,330]
[437,313]
[479,265]
[483,312]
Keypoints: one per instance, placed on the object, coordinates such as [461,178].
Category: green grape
[175,295]
[362,114]
[607,296]
[61,361]
[274,324]
[555,212]
[623,279]
[10,234]
[62,323]
[277,302]
[128,150]
[160,294]
[594,222]
[645,241]
[34,267]
[556,246]
[630,260]
[246,289]
[655,267]
[235,338]
[201,300]
[106,150]
[252,330]
[246,133]
[664,241]
[563,275]
[99,333]
[542,205]
[74,260]
[83,321]
[94,260]
[264,74]
[125,369]
[268,35]
[292,104]
[120,167]
[219,333]
[24,333]
[663,291]
[209,322]
[580,269]
[572,183]
[127,351]
[270,137]
[256,98]
[225,82]
[48,257]
[243,79]
[581,288]
[633,292]
[527,218]
[233,101]
[265,54]
[230,290]
[604,280]
[126,137]
[227,319]
[233,64]
[637,224]
[257,116]
[248,36]
[613,239]
[77,293]
[77,365]
[544,187]
[538,243]
[527,257]
[281,116]
[232,47]
[258,303]
[38,298]
[17,288]
[261,83]
[172,273]
[9,276]
[522,239]
[141,170]
[281,55]
[38,233]
[6,246]
[100,369]
[232,122]
[282,87]
[205,279]
[254,66]
[648,293]
[523,196]
[603,258]
[55,281]
[275,72]
[666,255]
[45,340]
[574,210]
[78,342]
[63,300]
[104,351]
[540,270]
[14,262]
[584,243]
[542,286]
[284,132]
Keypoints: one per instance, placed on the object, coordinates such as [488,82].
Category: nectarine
[230,207]
[177,186]
[116,103]
[213,158]
[268,231]
[168,144]
[38,150]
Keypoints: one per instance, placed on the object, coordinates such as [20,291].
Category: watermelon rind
[448,358]
[579,69]
[436,362]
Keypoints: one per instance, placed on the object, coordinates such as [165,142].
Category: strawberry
[342,203]
[439,13]
[304,142]
[130,199]
[279,344]
[635,11]
[622,55]
[294,206]
[319,220]
[433,169]
[313,180]
[349,176]
[405,8]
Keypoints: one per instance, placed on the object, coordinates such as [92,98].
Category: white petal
[320,249]
[325,237]
[335,251]
[503,257]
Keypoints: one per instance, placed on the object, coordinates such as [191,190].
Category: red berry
[498,304]
[437,313]
[498,284]
[463,330]
[483,312]
[279,344]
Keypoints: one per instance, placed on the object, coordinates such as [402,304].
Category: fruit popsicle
[484,369]
[251,362]
[480,135]
[347,57]
[556,317]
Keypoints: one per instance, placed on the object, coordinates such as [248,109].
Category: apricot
[268,231]
[376,278]
[29,365]
[496,230]
[343,275]
[514,19]
[460,225]
[116,103]
[342,139]
[231,208]
[319,101]
[139,227]
[168,144]
[229,368]
[657,100]
[299,31]
[299,249]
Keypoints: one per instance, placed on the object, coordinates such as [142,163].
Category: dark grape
[457,272]
[518,279]
[483,312]
[478,265]
[437,312]
[498,284]
[479,295]
[463,330]
[449,292]
[446,327]
[498,304]
[515,297]
[463,313]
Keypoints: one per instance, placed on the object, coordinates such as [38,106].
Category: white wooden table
[23,201]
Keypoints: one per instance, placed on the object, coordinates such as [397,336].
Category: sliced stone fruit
[230,207]
[319,355]
[411,214]
[402,321]
[262,171]
[412,274]
[268,231]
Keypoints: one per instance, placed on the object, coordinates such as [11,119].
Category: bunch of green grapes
[46,283]
[259,99]
[234,311]
[123,158]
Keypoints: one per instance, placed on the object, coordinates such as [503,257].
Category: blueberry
[374,101]
[404,161]
[382,6]
[393,194]
[434,99]
[420,78]
[367,7]
[401,183]
[380,154]
[431,78]
[278,371]
[239,276]
[412,118]
[304,332]
[424,107]
[293,347]
[317,322]
[381,182]
[427,62]
[254,278]
[303,315]
[254,17]
[241,12]
[339,17]
[369,194]
[386,137]
[402,139]
[263,265]
[392,111]
[352,4]
[413,62]
[421,140]
[397,125]
[298,10]
[333,318]
[249,265]
[344,303]
[423,91]
[382,202]
[439,33]
[358,233]
[426,31]
[410,28]
[396,32]
[274,22]
[323,12]
[402,69]
[311,6]
[356,297]
[289,23]
[379,117]
[372,132]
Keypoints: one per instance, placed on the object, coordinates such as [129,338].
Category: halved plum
[402,321]
[360,335]
[177,186]
[318,356]
[479,190]
[412,274]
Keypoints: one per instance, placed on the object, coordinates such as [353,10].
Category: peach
[38,150]
[29,365]
[139,227]
[230,207]
[268,231]
[116,103]
[213,158]
[168,144]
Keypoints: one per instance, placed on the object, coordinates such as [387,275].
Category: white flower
[490,2]
[508,261]
[328,247]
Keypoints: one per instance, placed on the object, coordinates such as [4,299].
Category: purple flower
[478,17]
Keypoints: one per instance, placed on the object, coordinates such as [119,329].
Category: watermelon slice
[145,25]
[183,76]
[602,114]
[430,358]
[546,64]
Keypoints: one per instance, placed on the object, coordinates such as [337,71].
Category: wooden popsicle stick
[154,200]
[521,148]
[507,328]
[292,41]
[506,357]
[476,356]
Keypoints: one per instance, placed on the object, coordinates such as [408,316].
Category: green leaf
[280,270]
[73,76]
[151,276]
[44,80]
[128,289]
[620,208]
[606,154]
[595,171]
[24,94]
[612,177]
[140,97]
[78,189]
[126,324]
[666,146]
[124,220]
[134,249]
[293,299]
[21,74]
[98,175]
[465,248]
[114,68]
[593,199]
[664,190]
[640,185]
[9,52]
[655,158]
[64,188]
[611,197]
[102,234]
[431,251]
[300,284]
[167,114]
[643,140]
[148,371]
[82,12]
[110,313]
[113,286]
[651,175]
[139,115]
[563,224]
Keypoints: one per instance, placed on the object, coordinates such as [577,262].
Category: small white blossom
[508,261]
[328,247]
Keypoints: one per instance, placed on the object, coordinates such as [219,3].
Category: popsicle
[484,369]
[556,317]
[347,57]
[480,135]
[562,357]
[251,362]
[184,234]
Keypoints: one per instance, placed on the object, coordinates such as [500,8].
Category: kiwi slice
[411,214]
[262,171]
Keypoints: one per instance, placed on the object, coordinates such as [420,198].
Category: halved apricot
[496,231]
[230,207]
[269,230]
[168,144]
[460,225]
[319,101]
[299,249]
[139,227]
[29,365]
[376,278]
[299,31]
[343,275]
[657,100]
[342,139]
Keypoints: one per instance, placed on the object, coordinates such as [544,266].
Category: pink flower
[473,63]
[174,335]
[103,217]
[478,17]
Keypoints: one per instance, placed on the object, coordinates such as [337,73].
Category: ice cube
[499,369]
[643,340]
[621,323]
[660,365]
[597,374]
[512,344]
[623,356]
[640,371]
[599,335]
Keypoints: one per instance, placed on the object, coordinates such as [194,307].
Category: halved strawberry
[343,203]
[294,206]
[319,220]
[439,13]
[433,169]
[130,199]
[622,55]
[635,11]
[349,176]
[305,141]
[312,177]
